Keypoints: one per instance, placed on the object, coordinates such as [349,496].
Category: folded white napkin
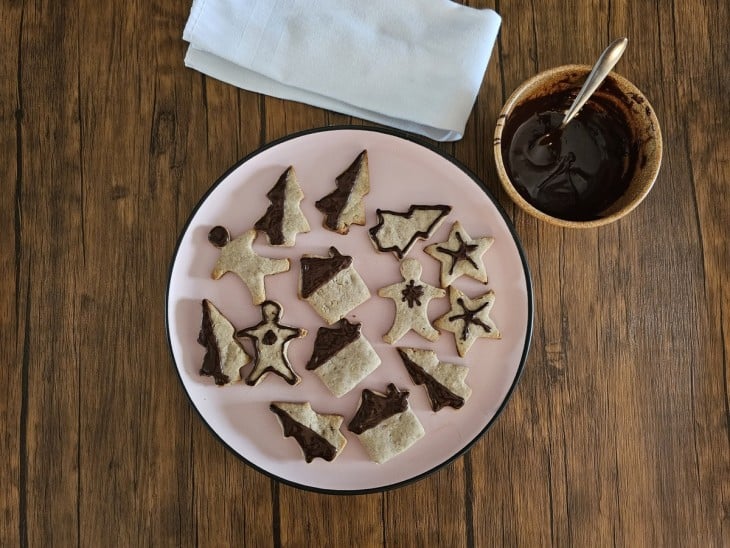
[412,64]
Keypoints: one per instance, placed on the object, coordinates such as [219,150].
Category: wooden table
[617,434]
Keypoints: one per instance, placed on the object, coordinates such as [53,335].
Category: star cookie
[317,434]
[468,319]
[238,256]
[411,297]
[385,424]
[460,255]
[224,355]
[398,231]
[344,206]
[444,382]
[284,219]
[271,340]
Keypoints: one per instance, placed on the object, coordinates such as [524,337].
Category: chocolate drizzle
[438,394]
[330,340]
[313,445]
[273,220]
[418,232]
[317,271]
[412,294]
[375,408]
[334,203]
[462,253]
[219,236]
[470,317]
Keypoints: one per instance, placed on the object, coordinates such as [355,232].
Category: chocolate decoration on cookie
[224,356]
[438,394]
[412,294]
[461,253]
[219,236]
[317,271]
[375,408]
[343,206]
[212,359]
[272,223]
[468,319]
[313,445]
[392,234]
[330,340]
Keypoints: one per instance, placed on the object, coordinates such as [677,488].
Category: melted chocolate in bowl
[578,172]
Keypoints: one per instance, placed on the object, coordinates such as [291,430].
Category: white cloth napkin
[416,65]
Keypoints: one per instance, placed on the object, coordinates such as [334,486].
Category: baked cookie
[385,424]
[468,319]
[284,219]
[460,255]
[344,206]
[271,340]
[331,285]
[444,382]
[318,435]
[398,231]
[411,297]
[238,256]
[224,356]
[342,357]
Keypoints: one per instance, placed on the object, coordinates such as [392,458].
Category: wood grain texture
[618,433]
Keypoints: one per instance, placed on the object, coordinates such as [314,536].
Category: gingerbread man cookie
[411,298]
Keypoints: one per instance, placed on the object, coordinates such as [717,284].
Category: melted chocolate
[219,236]
[333,204]
[438,394]
[375,408]
[412,294]
[317,271]
[578,172]
[462,253]
[273,220]
[330,340]
[469,317]
[313,445]
[212,360]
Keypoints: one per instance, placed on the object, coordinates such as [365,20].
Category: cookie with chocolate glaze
[461,255]
[468,319]
[238,256]
[444,382]
[342,357]
[331,285]
[284,219]
[385,424]
[317,434]
[271,339]
[224,356]
[397,231]
[345,205]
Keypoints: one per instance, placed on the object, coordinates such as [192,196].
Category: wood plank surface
[619,430]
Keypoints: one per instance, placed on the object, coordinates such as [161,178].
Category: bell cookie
[317,434]
[271,340]
[444,382]
[344,206]
[284,219]
[342,357]
[238,256]
[398,231]
[224,356]
[385,424]
[331,285]
[461,255]
[411,298]
[468,319]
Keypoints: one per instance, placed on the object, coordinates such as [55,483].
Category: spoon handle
[603,66]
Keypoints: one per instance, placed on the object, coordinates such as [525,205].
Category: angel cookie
[317,434]
[385,424]
[411,298]
[468,319]
[344,206]
[284,219]
[238,256]
[331,285]
[342,357]
[398,231]
[460,255]
[224,355]
[271,340]
[444,382]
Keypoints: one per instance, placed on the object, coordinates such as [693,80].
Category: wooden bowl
[639,114]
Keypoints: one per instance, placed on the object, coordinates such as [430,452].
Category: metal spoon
[603,66]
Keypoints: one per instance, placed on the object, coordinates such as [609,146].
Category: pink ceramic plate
[402,172]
